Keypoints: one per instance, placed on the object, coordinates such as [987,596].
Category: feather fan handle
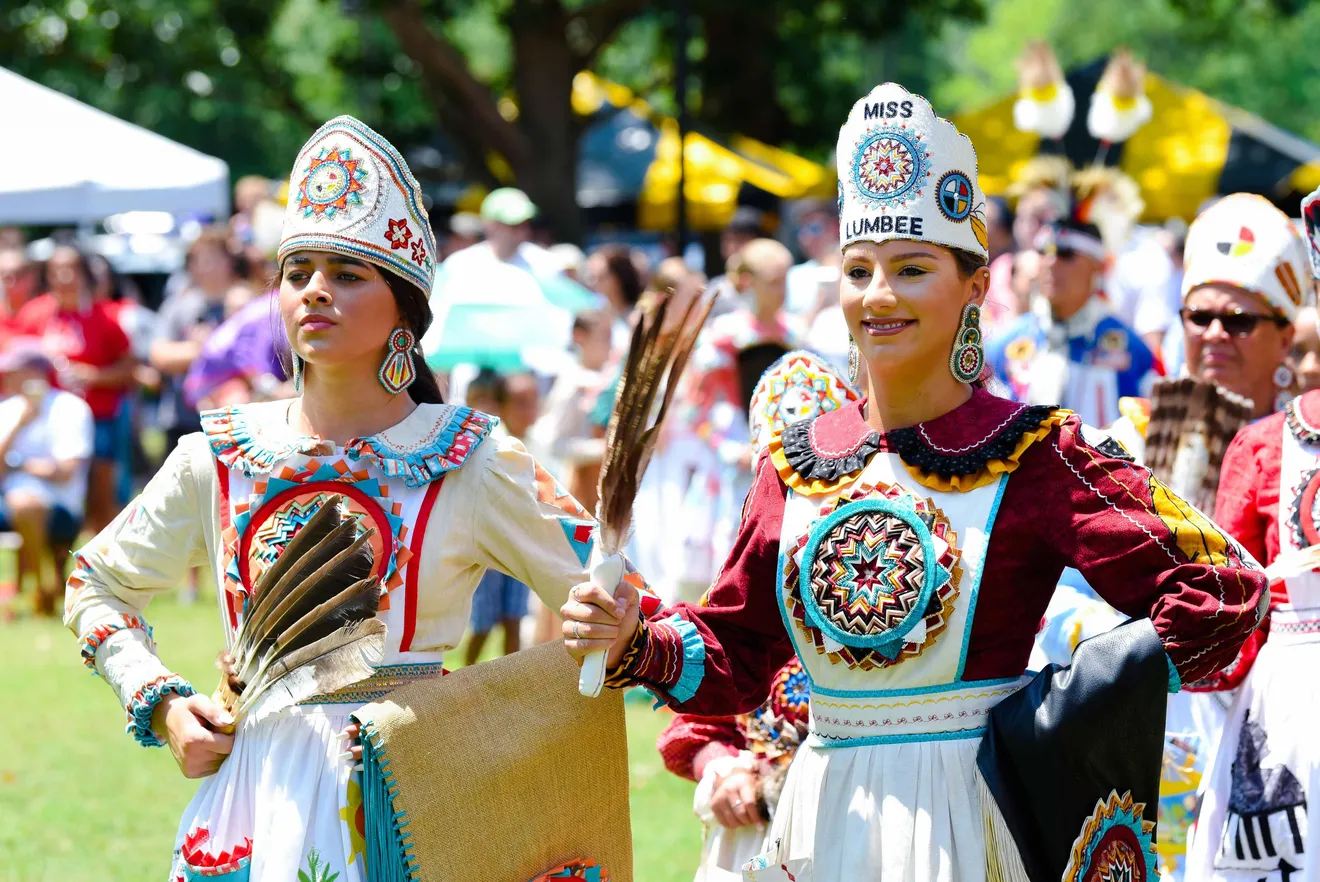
[651,376]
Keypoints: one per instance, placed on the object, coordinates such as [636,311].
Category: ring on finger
[577,630]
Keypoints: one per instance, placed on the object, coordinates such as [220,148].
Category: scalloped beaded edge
[237,445]
[143,703]
[101,633]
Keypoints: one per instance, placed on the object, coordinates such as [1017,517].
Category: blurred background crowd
[655,157]
[583,160]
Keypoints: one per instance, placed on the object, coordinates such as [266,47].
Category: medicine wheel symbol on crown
[954,194]
[889,166]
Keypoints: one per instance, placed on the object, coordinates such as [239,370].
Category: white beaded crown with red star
[905,173]
[351,193]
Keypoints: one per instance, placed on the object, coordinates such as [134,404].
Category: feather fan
[1191,424]
[310,625]
[651,375]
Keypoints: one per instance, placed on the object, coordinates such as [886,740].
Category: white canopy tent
[66,162]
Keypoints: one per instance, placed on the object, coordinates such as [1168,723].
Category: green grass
[80,800]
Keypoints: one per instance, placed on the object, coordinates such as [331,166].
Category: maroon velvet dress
[909,571]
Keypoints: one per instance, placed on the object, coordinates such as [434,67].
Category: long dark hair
[415,312]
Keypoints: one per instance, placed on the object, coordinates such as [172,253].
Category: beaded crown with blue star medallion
[906,173]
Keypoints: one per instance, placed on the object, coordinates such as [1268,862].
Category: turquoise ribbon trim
[144,704]
[1175,680]
[390,854]
[694,659]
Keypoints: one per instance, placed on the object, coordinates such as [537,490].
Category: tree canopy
[248,80]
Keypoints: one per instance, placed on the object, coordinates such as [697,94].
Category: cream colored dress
[446,500]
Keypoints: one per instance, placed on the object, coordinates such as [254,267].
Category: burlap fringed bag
[500,772]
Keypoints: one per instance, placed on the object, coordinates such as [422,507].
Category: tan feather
[654,366]
[344,657]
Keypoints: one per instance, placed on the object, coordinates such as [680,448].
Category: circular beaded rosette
[890,166]
[797,387]
[874,582]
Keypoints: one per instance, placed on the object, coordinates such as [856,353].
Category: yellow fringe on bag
[1002,861]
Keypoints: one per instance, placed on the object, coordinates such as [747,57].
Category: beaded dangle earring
[297,372]
[1283,383]
[854,362]
[968,358]
[397,372]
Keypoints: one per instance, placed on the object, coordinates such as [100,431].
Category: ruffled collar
[1302,415]
[968,447]
[432,440]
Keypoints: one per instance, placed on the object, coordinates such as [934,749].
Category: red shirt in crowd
[88,336]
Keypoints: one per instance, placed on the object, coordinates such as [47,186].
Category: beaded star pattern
[867,576]
[334,180]
[890,167]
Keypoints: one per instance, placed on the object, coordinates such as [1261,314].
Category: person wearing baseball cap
[506,216]
[906,546]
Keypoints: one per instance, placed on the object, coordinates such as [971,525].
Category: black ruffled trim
[909,445]
[1303,433]
[811,465]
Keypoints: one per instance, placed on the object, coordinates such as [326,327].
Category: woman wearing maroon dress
[906,547]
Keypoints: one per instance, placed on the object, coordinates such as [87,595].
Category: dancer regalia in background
[1246,269]
[435,498]
[906,547]
[732,354]
[748,755]
[1260,818]
[1070,348]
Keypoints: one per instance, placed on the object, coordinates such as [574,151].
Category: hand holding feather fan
[651,375]
[310,624]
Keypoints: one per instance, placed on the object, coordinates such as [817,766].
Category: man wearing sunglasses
[1069,349]
[1246,279]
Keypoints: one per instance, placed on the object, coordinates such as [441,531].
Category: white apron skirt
[907,812]
[1260,815]
[286,790]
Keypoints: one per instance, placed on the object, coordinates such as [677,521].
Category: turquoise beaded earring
[968,358]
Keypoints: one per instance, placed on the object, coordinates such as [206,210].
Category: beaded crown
[1243,240]
[351,193]
[905,173]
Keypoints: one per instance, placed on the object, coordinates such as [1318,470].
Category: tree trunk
[543,71]
[738,73]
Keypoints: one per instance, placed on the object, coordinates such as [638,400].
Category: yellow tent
[715,171]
